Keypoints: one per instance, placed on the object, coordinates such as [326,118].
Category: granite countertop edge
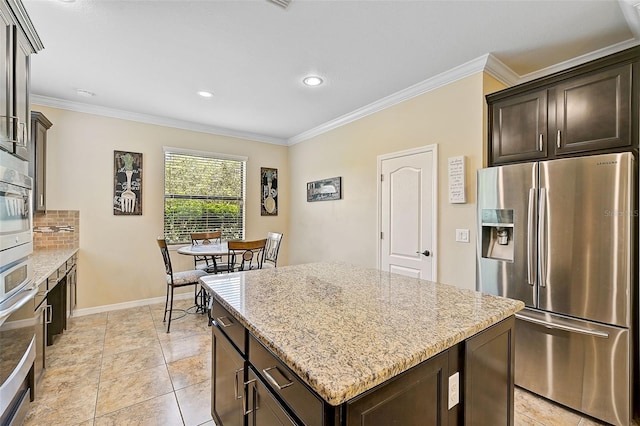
[337,396]
[46,261]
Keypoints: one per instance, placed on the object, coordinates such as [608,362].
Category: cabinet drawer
[229,325]
[300,399]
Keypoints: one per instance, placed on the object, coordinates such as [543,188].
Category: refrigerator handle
[542,237]
[586,331]
[531,220]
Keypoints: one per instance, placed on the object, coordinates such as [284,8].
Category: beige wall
[119,260]
[453,117]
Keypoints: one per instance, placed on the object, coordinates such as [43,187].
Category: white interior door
[408,182]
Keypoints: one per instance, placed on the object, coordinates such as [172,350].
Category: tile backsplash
[56,229]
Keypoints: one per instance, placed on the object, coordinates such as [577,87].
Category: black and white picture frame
[269,193]
[127,183]
[325,189]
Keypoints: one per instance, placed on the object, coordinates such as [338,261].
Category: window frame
[203,154]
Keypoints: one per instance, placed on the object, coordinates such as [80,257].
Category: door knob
[426,253]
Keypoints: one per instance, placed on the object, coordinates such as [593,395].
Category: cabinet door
[519,128]
[21,101]
[489,375]
[263,408]
[227,383]
[41,340]
[593,112]
[415,398]
[6,79]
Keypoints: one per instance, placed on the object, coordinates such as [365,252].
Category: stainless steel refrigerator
[559,235]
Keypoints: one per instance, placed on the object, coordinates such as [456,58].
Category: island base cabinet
[227,384]
[489,370]
[263,408]
[416,397]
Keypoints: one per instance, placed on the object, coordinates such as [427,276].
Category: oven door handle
[4,314]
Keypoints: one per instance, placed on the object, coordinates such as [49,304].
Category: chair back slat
[204,238]
[273,247]
[245,255]
[164,250]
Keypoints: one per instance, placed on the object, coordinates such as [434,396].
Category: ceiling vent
[282,3]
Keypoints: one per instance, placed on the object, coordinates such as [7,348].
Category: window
[203,192]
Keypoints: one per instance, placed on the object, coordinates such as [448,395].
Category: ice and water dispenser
[497,234]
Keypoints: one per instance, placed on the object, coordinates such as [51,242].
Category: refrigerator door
[507,243]
[585,237]
[580,364]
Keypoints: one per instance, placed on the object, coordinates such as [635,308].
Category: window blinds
[203,193]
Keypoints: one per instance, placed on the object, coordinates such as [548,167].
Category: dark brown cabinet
[593,112]
[586,109]
[489,376]
[18,40]
[38,159]
[227,382]
[263,407]
[417,397]
[519,128]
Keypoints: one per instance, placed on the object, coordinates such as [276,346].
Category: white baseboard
[127,305]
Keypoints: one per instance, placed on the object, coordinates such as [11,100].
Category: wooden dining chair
[271,249]
[176,280]
[245,255]
[206,263]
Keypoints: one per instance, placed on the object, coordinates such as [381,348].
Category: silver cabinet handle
[273,381]
[238,395]
[49,314]
[559,139]
[586,331]
[246,400]
[540,142]
[220,321]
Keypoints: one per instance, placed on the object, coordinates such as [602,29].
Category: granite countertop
[345,329]
[45,262]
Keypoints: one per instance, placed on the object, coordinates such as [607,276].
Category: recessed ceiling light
[85,93]
[67,1]
[205,94]
[312,80]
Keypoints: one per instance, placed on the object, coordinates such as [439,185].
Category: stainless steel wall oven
[17,291]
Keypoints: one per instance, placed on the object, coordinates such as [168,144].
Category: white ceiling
[146,59]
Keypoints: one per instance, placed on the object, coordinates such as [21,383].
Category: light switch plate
[454,390]
[462,235]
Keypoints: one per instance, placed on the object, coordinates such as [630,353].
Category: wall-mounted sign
[269,196]
[457,194]
[127,183]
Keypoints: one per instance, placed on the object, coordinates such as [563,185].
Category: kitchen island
[333,343]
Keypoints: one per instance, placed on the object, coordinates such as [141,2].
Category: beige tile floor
[122,368]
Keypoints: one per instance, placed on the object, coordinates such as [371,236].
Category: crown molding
[579,60]
[498,70]
[150,119]
[442,79]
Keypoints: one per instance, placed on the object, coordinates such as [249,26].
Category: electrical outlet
[462,235]
[454,390]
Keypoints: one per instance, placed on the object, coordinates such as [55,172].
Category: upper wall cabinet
[18,41]
[583,110]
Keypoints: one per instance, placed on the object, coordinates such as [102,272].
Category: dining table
[211,249]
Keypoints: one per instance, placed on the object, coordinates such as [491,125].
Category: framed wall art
[269,193]
[325,190]
[127,183]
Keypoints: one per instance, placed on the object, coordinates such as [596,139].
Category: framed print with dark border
[325,190]
[269,193]
[127,183]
